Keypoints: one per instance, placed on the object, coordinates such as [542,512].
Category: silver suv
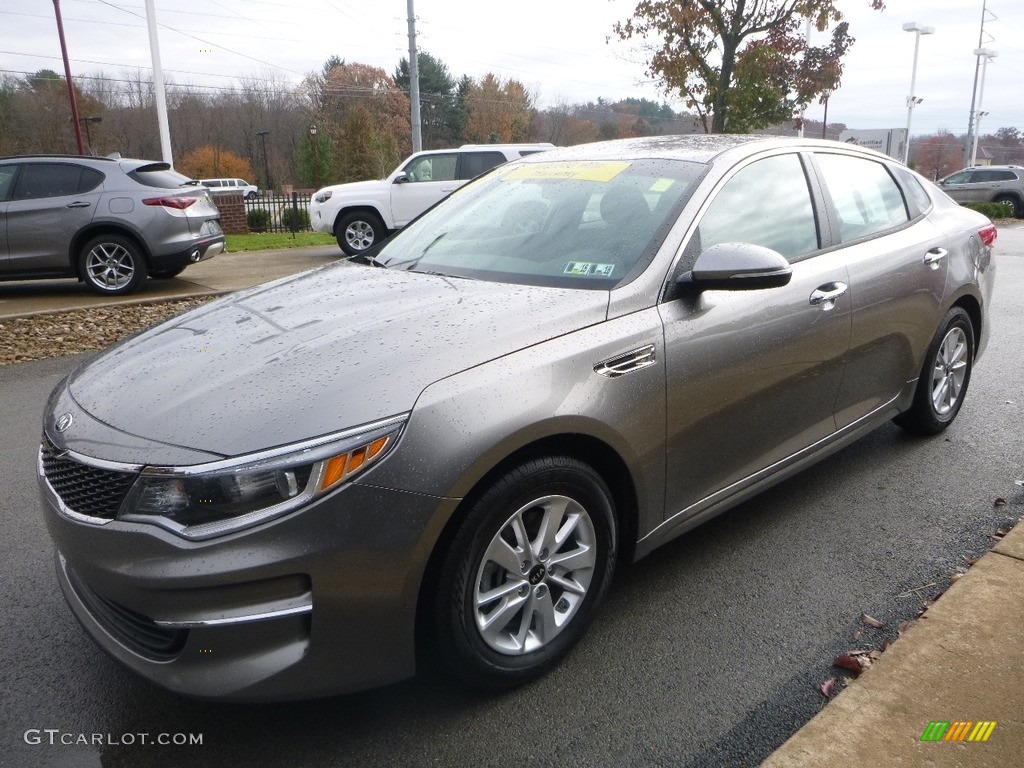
[109,222]
[988,184]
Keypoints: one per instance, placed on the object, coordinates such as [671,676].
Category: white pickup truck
[363,213]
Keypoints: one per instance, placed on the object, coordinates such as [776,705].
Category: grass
[262,241]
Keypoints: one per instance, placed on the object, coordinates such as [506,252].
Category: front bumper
[320,602]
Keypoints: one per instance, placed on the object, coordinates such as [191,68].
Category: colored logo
[958,730]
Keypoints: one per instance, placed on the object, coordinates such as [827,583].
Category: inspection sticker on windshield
[587,269]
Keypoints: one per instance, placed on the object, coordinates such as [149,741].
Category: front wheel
[942,385]
[112,265]
[525,573]
[357,231]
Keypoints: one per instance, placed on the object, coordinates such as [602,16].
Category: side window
[41,180]
[432,168]
[767,203]
[866,197]
[1004,176]
[7,174]
[90,180]
[917,198]
[475,163]
[961,177]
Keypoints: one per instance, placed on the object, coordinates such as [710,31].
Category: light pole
[266,167]
[316,159]
[88,135]
[986,55]
[913,101]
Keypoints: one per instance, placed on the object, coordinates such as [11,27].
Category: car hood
[357,188]
[316,353]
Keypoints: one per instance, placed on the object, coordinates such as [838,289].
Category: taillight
[988,234]
[181,203]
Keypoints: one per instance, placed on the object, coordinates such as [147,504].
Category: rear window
[475,163]
[159,175]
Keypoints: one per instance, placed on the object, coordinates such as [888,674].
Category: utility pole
[974,93]
[414,83]
[158,81]
[67,76]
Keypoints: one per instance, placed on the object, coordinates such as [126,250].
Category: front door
[753,375]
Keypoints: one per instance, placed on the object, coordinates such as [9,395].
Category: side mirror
[737,267]
[401,179]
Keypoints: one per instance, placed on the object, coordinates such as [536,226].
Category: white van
[232,186]
[363,213]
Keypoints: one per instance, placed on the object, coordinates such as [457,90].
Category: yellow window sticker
[661,185]
[587,269]
[584,170]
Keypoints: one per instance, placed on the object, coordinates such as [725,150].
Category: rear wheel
[112,265]
[525,573]
[1011,202]
[358,231]
[943,383]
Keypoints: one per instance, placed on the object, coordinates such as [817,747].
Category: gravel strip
[84,330]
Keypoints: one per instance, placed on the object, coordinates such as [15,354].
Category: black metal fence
[278,213]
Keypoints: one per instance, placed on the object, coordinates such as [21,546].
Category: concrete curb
[963,660]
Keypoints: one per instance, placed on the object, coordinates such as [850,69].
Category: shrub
[258,220]
[295,218]
[992,210]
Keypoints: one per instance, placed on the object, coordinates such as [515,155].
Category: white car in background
[363,213]
[232,186]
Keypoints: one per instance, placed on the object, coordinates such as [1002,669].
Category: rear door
[51,202]
[8,174]
[897,261]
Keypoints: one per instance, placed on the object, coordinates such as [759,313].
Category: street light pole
[912,100]
[985,55]
[266,167]
[316,159]
[88,135]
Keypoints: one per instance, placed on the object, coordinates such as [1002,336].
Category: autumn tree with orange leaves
[211,162]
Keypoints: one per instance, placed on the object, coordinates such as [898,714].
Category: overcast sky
[561,49]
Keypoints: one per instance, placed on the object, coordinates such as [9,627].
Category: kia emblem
[64,421]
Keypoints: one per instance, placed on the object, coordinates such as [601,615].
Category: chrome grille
[86,490]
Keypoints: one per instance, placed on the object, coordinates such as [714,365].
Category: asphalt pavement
[710,652]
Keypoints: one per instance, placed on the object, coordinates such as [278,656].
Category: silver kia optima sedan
[296,489]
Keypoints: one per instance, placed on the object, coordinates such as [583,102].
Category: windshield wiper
[416,259]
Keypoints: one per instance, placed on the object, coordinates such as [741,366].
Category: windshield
[584,224]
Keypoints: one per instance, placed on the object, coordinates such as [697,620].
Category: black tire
[112,265]
[535,597]
[250,196]
[358,231]
[944,378]
[167,274]
[1014,204]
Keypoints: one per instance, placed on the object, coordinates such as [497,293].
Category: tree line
[347,122]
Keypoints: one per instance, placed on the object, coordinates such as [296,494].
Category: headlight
[323,197]
[206,500]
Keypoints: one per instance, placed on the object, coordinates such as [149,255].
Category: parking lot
[707,653]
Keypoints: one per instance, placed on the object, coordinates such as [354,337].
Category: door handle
[826,295]
[78,204]
[934,256]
